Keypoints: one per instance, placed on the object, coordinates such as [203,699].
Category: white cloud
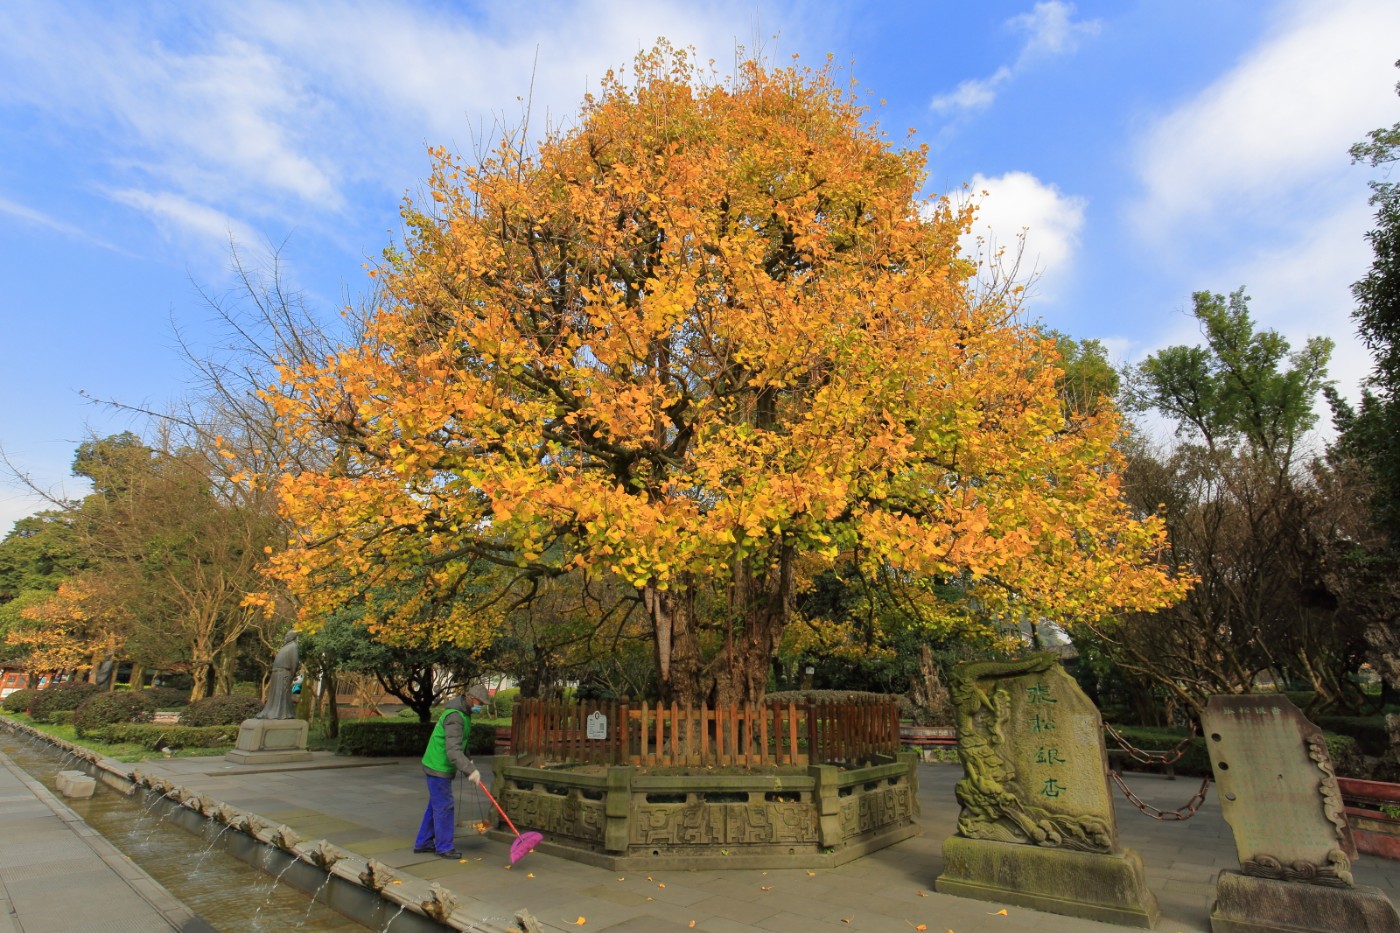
[1051,30]
[972,94]
[41,219]
[275,113]
[180,217]
[1017,204]
[1269,127]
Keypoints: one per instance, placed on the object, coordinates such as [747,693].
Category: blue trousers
[439,818]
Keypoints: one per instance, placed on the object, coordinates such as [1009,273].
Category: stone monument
[1279,794]
[275,735]
[1037,827]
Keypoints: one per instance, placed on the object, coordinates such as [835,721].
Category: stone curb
[364,889]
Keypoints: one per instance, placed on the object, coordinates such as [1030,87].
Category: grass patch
[129,752]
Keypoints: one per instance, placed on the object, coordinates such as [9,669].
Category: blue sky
[1151,148]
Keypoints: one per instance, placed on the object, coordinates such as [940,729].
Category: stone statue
[280,703]
[105,670]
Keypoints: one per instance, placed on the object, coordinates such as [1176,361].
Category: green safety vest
[435,757]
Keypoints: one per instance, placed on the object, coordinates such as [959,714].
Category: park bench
[927,739]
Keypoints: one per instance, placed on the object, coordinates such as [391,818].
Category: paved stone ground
[58,876]
[373,807]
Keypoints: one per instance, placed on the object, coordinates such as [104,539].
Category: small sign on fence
[597,727]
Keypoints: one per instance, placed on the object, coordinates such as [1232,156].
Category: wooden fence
[773,734]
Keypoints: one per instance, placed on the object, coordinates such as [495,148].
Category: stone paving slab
[57,875]
[889,890]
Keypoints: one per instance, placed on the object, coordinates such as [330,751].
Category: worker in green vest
[445,756]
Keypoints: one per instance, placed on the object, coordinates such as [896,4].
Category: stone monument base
[1109,888]
[1245,904]
[270,742]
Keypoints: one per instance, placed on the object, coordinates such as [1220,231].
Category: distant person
[445,756]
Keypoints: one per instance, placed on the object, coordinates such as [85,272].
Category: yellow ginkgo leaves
[690,364]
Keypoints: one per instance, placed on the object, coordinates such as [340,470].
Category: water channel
[229,894]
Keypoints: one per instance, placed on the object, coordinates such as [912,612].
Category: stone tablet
[1278,791]
[1037,826]
[1032,745]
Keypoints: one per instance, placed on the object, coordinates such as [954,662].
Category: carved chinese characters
[1279,794]
[1037,826]
[1031,745]
[1270,761]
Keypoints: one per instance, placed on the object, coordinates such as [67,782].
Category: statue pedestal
[1245,904]
[1109,888]
[270,741]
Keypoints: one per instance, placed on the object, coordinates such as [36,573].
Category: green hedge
[168,698]
[59,698]
[157,736]
[1369,731]
[107,709]
[227,710]
[18,702]
[393,738]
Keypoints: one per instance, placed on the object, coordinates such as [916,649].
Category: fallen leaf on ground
[1000,913]
[580,922]
[692,923]
[396,881]
[765,887]
[530,875]
[811,874]
[923,894]
[921,927]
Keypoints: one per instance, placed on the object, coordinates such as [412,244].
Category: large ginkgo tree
[705,341]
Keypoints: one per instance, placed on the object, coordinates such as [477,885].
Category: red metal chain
[1184,812]
[1170,757]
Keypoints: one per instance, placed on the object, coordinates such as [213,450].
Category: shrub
[19,701]
[156,737]
[1346,756]
[167,697]
[503,701]
[64,697]
[481,740]
[220,711]
[1369,731]
[383,738]
[105,709]
[379,738]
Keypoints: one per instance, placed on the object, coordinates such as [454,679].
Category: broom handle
[498,809]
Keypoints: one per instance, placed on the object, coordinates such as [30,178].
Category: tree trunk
[677,643]
[759,602]
[333,715]
[224,663]
[927,692]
